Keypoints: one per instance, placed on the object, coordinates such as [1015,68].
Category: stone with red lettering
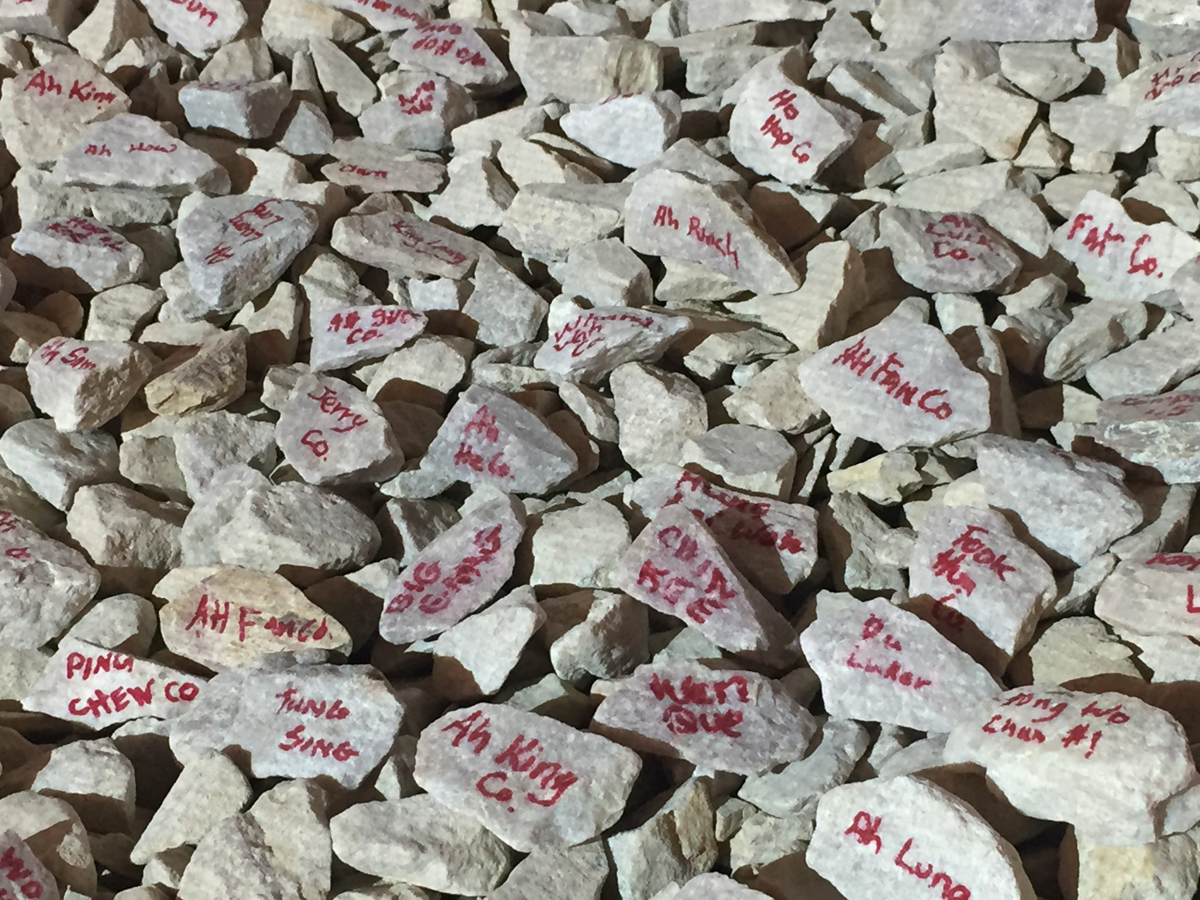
[879,663]
[134,152]
[387,15]
[44,111]
[947,252]
[234,617]
[1070,505]
[532,781]
[21,872]
[331,433]
[473,659]
[674,215]
[1118,258]
[302,721]
[969,562]
[93,687]
[236,247]
[593,342]
[720,720]
[781,130]
[630,131]
[418,841]
[1116,760]
[455,49]
[417,112]
[405,245]
[774,544]
[1164,92]
[207,790]
[1153,594]
[489,438]
[56,835]
[375,168]
[94,256]
[458,572]
[347,335]
[899,384]
[677,567]
[45,584]
[83,384]
[199,27]
[245,109]
[1162,432]
[908,839]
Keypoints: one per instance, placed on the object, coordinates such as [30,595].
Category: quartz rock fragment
[796,789]
[892,835]
[331,433]
[1073,506]
[609,643]
[579,546]
[300,722]
[118,526]
[53,833]
[45,111]
[630,131]
[921,398]
[773,543]
[1159,431]
[658,412]
[947,252]
[488,438]
[207,791]
[586,69]
[95,779]
[742,456]
[1117,257]
[474,658]
[208,377]
[506,309]
[878,663]
[235,617]
[236,247]
[577,872]
[246,109]
[45,584]
[209,441]
[201,29]
[452,48]
[1152,595]
[92,254]
[418,111]
[21,872]
[377,168]
[969,562]
[123,622]
[458,572]
[419,841]
[1087,741]
[717,719]
[677,567]
[545,221]
[405,244]
[82,385]
[534,782]
[675,215]
[55,465]
[607,273]
[96,688]
[135,152]
[781,130]
[591,343]
[350,334]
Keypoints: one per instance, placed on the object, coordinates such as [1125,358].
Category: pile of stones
[589,450]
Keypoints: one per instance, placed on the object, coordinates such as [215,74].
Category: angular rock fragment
[198,27]
[331,433]
[350,334]
[246,109]
[21,873]
[83,384]
[630,131]
[55,465]
[488,438]
[674,215]
[1152,595]
[236,247]
[919,394]
[532,781]
[454,49]
[456,573]
[881,664]
[300,722]
[720,720]
[406,245]
[235,617]
[911,837]
[970,564]
[591,343]
[92,255]
[96,688]
[1090,742]
[677,567]
[1160,432]
[417,112]
[947,252]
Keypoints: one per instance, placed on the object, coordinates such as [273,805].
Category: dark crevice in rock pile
[590,450]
